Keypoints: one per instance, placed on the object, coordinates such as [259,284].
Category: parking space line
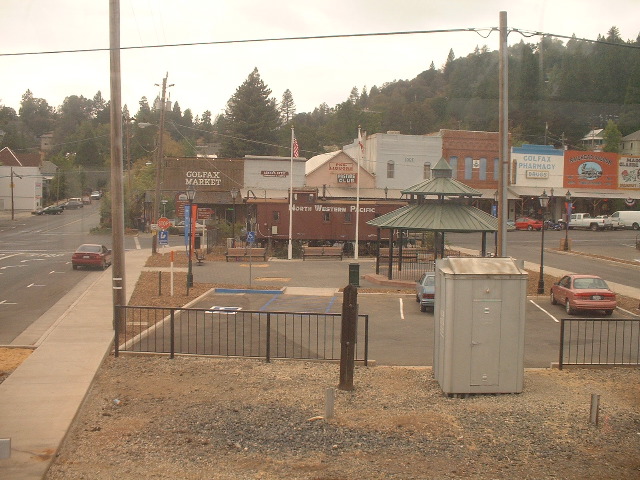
[331,302]
[273,299]
[401,309]
[554,318]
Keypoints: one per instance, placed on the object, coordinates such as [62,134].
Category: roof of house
[11,159]
[595,134]
[632,136]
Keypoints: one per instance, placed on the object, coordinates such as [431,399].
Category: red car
[91,255]
[526,223]
[583,292]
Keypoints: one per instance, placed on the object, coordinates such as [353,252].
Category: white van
[625,219]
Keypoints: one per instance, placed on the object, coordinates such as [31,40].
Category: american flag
[360,142]
[296,149]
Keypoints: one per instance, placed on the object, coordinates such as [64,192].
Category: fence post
[118,312]
[561,344]
[268,349]
[159,284]
[348,336]
[173,333]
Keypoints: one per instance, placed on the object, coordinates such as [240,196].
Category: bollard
[595,406]
[329,402]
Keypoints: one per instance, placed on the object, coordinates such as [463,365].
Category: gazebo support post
[483,250]
[400,247]
[378,255]
[390,272]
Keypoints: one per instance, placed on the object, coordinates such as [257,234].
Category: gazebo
[448,211]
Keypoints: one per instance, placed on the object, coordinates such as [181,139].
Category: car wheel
[75,267]
[423,308]
[104,265]
[568,308]
[608,312]
[530,228]
[417,297]
[635,226]
[594,228]
[553,299]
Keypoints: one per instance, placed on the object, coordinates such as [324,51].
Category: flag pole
[360,150]
[290,246]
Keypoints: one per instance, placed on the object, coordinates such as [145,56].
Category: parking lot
[399,334]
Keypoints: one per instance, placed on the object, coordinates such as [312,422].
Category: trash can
[354,274]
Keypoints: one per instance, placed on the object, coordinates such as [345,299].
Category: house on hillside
[630,144]
[594,140]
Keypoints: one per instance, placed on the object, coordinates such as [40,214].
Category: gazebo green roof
[438,216]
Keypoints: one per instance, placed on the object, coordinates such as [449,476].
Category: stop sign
[163,223]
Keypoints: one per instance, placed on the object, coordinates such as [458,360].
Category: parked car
[91,255]
[625,219]
[426,291]
[527,223]
[50,210]
[96,195]
[179,227]
[72,204]
[583,292]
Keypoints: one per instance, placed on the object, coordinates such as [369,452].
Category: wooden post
[348,336]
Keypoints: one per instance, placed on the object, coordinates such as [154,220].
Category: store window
[468,168]
[482,174]
[453,163]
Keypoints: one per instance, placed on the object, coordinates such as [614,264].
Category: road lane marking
[34,285]
[401,309]
[9,256]
[137,242]
[4,302]
[554,318]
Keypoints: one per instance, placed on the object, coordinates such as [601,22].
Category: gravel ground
[208,418]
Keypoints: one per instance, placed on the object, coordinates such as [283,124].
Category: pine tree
[287,107]
[251,120]
[612,138]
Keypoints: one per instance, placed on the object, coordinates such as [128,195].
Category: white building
[24,170]
[398,161]
[630,144]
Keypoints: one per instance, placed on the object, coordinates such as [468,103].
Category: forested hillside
[558,91]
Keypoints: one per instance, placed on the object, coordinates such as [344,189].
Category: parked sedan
[583,292]
[72,204]
[527,223]
[50,210]
[426,291]
[91,255]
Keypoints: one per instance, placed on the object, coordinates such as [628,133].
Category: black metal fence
[589,341]
[238,333]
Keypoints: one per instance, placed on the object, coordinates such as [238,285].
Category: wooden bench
[321,252]
[200,256]
[407,253]
[242,253]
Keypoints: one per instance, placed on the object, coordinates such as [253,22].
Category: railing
[588,341]
[415,261]
[238,333]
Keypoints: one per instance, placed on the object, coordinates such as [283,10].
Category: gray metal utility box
[479,325]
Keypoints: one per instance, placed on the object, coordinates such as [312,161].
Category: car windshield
[583,283]
[429,281]
[89,248]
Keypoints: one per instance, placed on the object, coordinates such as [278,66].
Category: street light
[544,202]
[191,194]
[567,199]
[234,194]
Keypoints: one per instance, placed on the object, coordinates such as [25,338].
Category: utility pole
[117,196]
[156,200]
[504,137]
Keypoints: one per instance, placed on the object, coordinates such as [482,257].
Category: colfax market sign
[195,177]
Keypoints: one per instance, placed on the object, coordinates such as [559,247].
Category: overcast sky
[315,71]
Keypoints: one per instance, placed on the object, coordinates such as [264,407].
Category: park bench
[321,252]
[243,253]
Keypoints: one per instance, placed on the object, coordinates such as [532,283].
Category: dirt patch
[10,359]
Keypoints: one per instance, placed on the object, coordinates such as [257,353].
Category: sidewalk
[40,399]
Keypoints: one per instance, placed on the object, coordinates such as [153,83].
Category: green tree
[36,114]
[612,138]
[251,120]
[287,107]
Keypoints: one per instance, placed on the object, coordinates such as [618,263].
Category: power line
[256,40]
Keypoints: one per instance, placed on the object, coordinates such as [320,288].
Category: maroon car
[583,292]
[91,255]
